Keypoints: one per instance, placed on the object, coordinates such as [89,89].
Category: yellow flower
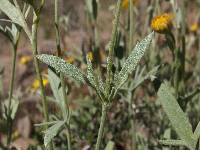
[162,23]
[194,27]
[36,83]
[90,56]
[25,59]
[125,3]
[70,60]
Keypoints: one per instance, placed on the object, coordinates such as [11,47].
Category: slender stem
[61,75]
[131,26]
[132,118]
[38,71]
[102,124]
[111,48]
[9,119]
[37,67]
[69,138]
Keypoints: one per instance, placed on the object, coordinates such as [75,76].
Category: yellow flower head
[36,83]
[70,60]
[90,56]
[25,59]
[125,3]
[162,23]
[194,27]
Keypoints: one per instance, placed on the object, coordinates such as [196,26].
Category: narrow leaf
[132,61]
[62,66]
[52,132]
[176,115]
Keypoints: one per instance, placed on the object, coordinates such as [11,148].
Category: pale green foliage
[14,14]
[51,132]
[131,62]
[176,115]
[62,66]
[55,84]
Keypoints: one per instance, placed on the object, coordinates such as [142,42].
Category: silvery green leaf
[110,145]
[173,142]
[132,61]
[56,87]
[62,66]
[14,14]
[176,115]
[51,132]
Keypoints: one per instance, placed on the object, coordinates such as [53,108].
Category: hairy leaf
[132,61]
[176,115]
[62,66]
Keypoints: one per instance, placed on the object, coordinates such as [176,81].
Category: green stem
[102,124]
[61,75]
[68,137]
[37,67]
[131,26]
[111,48]
[132,121]
[38,71]
[9,119]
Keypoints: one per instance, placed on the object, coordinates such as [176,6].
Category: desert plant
[108,90]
